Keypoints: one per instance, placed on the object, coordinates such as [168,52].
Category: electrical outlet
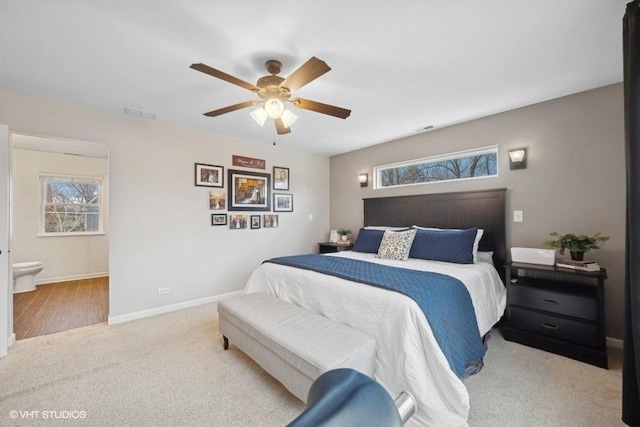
[163,291]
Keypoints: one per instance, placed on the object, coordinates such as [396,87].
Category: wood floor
[60,306]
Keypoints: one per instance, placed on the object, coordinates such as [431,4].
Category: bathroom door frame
[6,273]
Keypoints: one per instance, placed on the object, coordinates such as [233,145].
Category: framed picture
[209,175]
[282,202]
[280,178]
[237,222]
[270,221]
[218,200]
[218,219]
[249,191]
[255,222]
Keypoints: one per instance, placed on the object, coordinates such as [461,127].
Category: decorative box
[534,256]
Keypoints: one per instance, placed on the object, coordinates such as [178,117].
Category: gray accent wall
[574,181]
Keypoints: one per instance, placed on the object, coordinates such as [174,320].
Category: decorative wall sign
[248,162]
[218,219]
[270,221]
[280,178]
[249,191]
[209,175]
[282,202]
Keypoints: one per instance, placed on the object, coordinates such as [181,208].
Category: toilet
[24,274]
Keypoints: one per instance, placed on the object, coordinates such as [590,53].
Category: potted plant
[576,244]
[343,232]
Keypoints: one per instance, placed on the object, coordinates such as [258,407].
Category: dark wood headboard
[483,209]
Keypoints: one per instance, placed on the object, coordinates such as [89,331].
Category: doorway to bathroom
[65,228]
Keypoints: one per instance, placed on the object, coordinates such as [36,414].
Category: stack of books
[578,265]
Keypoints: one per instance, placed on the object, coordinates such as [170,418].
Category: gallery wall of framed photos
[249,188]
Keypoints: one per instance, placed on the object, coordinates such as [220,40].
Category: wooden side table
[557,310]
[328,247]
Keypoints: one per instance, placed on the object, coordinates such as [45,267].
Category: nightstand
[557,310]
[328,247]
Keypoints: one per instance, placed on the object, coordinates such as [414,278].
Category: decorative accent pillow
[485,257]
[368,241]
[475,243]
[385,227]
[454,246]
[396,244]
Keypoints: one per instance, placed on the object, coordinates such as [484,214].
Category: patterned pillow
[396,244]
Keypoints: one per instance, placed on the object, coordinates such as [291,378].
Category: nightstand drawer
[553,301]
[554,326]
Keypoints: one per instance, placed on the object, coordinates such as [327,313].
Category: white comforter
[408,357]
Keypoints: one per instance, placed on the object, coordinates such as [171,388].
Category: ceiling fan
[274,91]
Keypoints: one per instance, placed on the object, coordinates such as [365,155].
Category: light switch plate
[517,216]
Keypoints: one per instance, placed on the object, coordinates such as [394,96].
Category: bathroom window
[70,205]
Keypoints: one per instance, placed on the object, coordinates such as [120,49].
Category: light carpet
[171,370]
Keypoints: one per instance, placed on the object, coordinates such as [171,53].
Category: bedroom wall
[64,258]
[160,232]
[574,181]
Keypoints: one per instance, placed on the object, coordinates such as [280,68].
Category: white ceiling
[399,66]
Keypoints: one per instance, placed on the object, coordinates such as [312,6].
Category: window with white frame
[70,205]
[469,164]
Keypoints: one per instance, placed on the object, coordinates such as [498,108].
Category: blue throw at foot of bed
[444,300]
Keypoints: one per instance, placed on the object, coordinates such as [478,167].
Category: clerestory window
[469,164]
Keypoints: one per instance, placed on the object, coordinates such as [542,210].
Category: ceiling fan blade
[319,107]
[280,127]
[229,109]
[203,68]
[307,72]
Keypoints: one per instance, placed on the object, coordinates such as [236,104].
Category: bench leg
[226,342]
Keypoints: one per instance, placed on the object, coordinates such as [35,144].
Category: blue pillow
[368,241]
[444,245]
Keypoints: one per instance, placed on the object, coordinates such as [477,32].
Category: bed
[408,356]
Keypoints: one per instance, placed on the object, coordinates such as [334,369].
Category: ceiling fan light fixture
[274,108]
[288,118]
[274,90]
[259,115]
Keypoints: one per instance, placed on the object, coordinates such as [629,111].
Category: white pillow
[396,244]
[475,243]
[384,227]
[485,257]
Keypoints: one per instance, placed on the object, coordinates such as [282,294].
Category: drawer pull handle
[550,301]
[548,326]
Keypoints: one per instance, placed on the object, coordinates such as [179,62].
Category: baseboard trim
[113,320]
[70,278]
[615,343]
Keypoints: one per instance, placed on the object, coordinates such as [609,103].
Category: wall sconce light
[364,179]
[518,159]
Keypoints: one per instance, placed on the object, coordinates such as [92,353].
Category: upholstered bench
[292,344]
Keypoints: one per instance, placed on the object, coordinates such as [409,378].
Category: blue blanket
[444,300]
